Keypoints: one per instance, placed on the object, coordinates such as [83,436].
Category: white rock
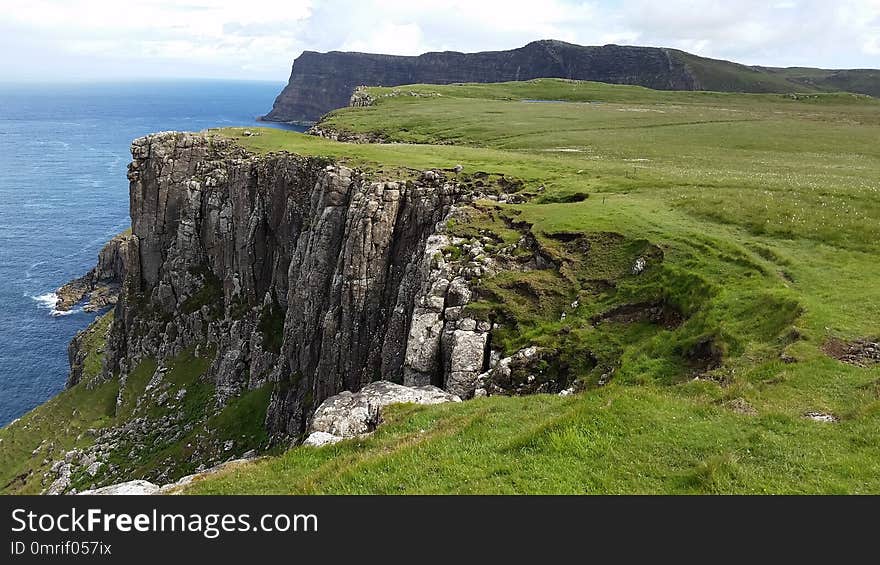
[639,266]
[349,415]
[423,343]
[468,348]
[129,488]
[94,468]
[318,439]
[822,417]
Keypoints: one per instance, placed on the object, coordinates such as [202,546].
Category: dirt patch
[569,198]
[658,313]
[860,352]
[566,236]
[741,406]
[822,417]
[704,355]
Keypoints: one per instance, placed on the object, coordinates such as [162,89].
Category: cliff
[252,288]
[100,286]
[517,261]
[321,82]
[292,271]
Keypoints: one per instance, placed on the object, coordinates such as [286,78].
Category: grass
[612,440]
[74,418]
[764,210]
[759,221]
[59,425]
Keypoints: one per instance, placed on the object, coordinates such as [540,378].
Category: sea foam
[49,300]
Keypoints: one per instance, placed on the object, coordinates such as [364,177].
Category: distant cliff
[320,82]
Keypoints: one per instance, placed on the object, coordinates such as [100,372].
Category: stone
[453,313]
[822,417]
[468,348]
[93,469]
[458,294]
[423,343]
[318,439]
[125,489]
[62,481]
[348,415]
[639,266]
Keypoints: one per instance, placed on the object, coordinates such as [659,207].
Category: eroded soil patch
[657,313]
[861,352]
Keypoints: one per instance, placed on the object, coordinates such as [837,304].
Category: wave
[28,271]
[49,300]
[58,313]
[56,142]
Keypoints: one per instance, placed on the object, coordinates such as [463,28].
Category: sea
[64,149]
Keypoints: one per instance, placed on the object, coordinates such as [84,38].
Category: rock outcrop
[147,488]
[101,285]
[349,415]
[129,488]
[291,271]
[531,370]
[444,344]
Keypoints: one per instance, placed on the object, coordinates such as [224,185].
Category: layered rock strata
[289,270]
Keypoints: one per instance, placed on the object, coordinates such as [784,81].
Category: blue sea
[64,149]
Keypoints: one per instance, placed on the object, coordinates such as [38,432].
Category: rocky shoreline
[99,288]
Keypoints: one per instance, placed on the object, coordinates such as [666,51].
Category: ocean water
[64,149]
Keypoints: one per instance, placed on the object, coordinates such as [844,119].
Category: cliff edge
[321,82]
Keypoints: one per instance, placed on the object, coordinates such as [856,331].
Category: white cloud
[260,38]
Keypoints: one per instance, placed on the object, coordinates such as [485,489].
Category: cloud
[260,38]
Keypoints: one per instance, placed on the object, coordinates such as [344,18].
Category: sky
[83,40]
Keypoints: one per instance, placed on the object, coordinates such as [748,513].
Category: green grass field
[765,208]
[765,211]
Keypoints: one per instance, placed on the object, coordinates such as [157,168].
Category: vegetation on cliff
[765,210]
[709,276]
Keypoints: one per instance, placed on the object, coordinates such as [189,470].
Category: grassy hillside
[863,81]
[726,76]
[759,219]
[152,437]
[765,210]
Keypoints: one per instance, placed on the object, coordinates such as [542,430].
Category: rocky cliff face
[320,82]
[292,271]
[100,286]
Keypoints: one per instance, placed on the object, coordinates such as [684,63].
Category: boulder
[349,414]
